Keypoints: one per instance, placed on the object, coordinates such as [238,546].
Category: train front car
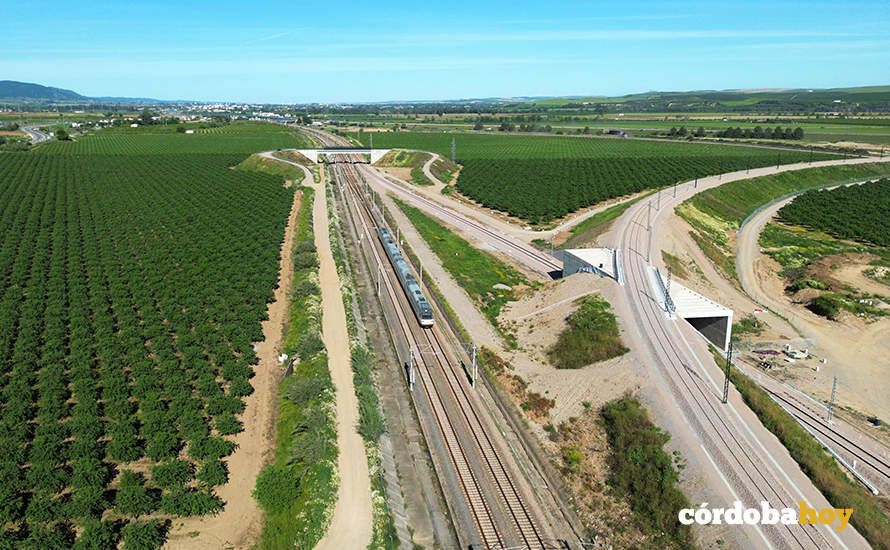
[419,303]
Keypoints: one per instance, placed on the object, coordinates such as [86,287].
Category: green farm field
[135,272]
[240,139]
[541,178]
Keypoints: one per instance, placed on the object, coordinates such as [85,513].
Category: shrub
[172,474]
[97,535]
[642,473]
[826,306]
[592,335]
[276,487]
[213,473]
[572,457]
[147,535]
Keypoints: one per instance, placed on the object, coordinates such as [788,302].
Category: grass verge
[588,230]
[734,201]
[475,271]
[716,213]
[643,473]
[414,160]
[592,335]
[298,489]
[444,170]
[288,172]
[871,522]
[676,265]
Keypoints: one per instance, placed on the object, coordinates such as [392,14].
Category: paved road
[36,135]
[750,461]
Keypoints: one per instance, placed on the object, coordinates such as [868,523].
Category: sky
[329,52]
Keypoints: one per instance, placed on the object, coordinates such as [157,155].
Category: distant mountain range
[759,100]
[26,92]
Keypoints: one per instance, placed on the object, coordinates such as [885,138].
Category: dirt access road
[352,522]
[862,376]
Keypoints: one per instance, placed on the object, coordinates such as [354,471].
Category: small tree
[149,535]
[61,134]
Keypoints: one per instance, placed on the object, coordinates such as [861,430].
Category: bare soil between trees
[241,521]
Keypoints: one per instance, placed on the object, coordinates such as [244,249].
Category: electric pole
[659,199]
[831,403]
[649,249]
[726,377]
[411,369]
[453,150]
[474,366]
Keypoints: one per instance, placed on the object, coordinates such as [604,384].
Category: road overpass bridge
[312,154]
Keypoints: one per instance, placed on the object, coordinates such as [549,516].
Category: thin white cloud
[613,35]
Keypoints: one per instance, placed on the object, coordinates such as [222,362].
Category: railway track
[744,463]
[442,384]
[525,254]
[878,468]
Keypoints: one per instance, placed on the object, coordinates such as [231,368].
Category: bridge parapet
[312,154]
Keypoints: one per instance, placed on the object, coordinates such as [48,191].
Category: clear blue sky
[265,51]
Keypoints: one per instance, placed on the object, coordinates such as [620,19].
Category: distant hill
[26,91]
[755,100]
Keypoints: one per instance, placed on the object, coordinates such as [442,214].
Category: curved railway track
[442,383]
[699,399]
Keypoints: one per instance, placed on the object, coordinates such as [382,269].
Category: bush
[213,473]
[572,457]
[227,424]
[97,535]
[276,487]
[642,473]
[305,260]
[148,535]
[592,335]
[172,474]
[826,306]
[189,502]
[309,344]
[304,288]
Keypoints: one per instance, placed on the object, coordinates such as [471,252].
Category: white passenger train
[419,304]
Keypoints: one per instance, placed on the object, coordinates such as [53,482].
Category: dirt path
[240,523]
[352,523]
[863,379]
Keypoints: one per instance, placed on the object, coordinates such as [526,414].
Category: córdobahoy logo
[765,515]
